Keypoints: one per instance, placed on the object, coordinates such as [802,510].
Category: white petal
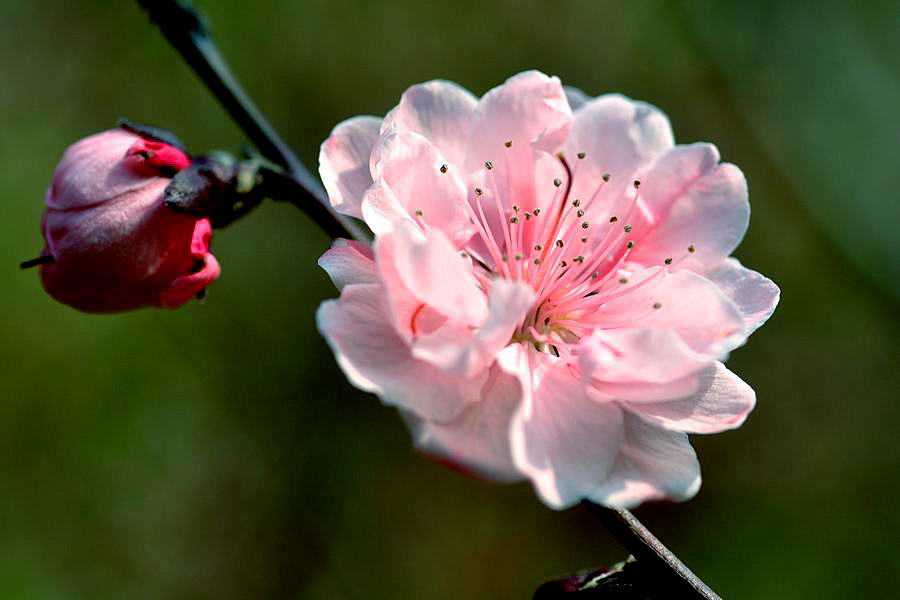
[441,111]
[429,190]
[618,136]
[478,439]
[755,295]
[377,360]
[637,355]
[680,301]
[694,201]
[431,269]
[344,163]
[463,351]
[652,464]
[722,401]
[348,262]
[563,441]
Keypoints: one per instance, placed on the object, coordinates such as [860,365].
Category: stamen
[557,182]
[691,249]
[443,168]
[627,228]
[668,261]
[488,165]
[606,177]
[478,191]
[580,155]
[585,225]
[508,143]
[613,219]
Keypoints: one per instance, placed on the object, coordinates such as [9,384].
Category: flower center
[573,251]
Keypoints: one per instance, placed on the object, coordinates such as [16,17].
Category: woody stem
[187,33]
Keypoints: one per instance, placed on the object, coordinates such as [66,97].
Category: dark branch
[188,34]
[45,259]
[673,575]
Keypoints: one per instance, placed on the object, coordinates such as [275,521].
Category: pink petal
[721,402]
[563,441]
[755,295]
[348,262]
[440,111]
[651,464]
[478,439]
[459,349]
[617,135]
[431,270]
[637,355]
[530,110]
[694,201]
[94,170]
[188,286]
[575,97]
[680,301]
[344,162]
[425,188]
[377,360]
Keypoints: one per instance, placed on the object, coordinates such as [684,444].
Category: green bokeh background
[217,451]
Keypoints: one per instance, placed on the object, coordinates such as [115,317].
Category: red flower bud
[114,244]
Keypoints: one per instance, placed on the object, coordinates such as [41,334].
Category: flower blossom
[549,295]
[111,243]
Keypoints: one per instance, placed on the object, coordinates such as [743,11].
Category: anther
[536,212]
[606,177]
[580,155]
[576,203]
[537,261]
[547,321]
[657,305]
[504,257]
[623,280]
[515,208]
[562,263]
[557,182]
[464,254]
[691,249]
[538,247]
[580,213]
[443,168]
[613,219]
[637,183]
[514,220]
[584,240]
[508,143]
[585,225]
[488,165]
[630,244]
[595,275]
[578,259]
[477,191]
[518,256]
[560,243]
[527,215]
[419,212]
[668,261]
[627,228]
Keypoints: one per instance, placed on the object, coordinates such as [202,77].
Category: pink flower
[114,244]
[550,292]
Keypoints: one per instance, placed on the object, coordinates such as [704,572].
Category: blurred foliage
[217,451]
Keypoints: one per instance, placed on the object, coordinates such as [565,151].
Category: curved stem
[674,577]
[187,33]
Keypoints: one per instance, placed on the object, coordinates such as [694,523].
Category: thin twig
[674,577]
[187,33]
